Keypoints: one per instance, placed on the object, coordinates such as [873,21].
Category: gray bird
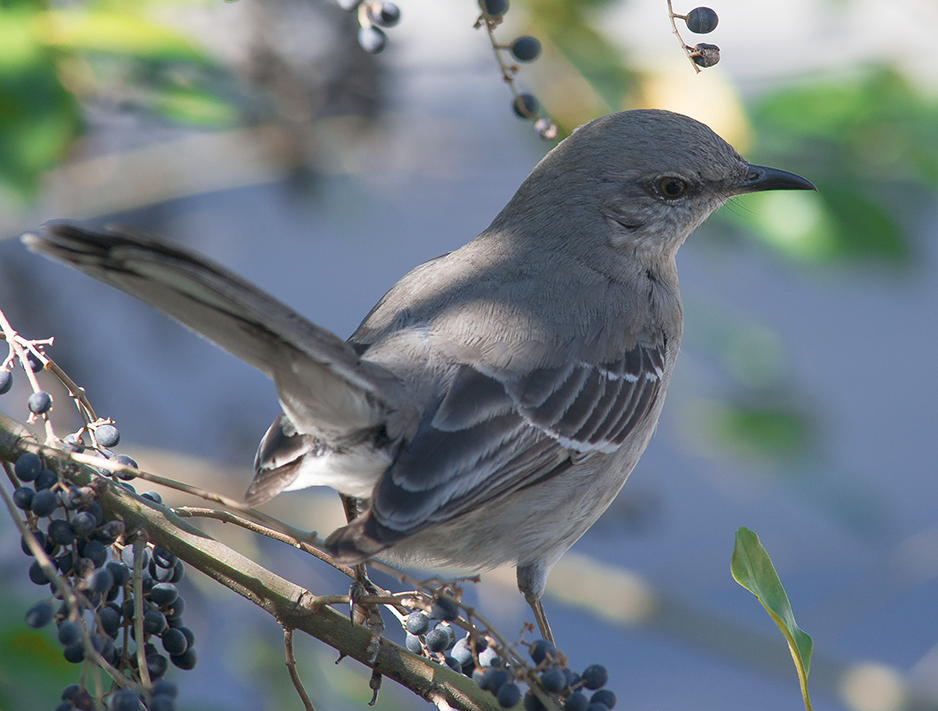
[495,400]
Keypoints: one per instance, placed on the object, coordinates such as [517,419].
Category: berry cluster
[522,49]
[82,556]
[372,17]
[701,21]
[433,635]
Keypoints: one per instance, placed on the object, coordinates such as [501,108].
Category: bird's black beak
[761,178]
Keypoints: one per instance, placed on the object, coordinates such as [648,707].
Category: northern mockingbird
[493,403]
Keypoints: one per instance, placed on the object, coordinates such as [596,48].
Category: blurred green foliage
[870,144]
[52,57]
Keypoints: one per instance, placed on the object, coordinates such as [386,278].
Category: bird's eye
[671,187]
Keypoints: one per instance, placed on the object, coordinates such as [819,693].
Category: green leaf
[752,568]
[38,118]
[81,30]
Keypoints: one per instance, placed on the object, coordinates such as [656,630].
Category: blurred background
[803,405]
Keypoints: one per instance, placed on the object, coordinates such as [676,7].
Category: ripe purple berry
[494,8]
[388,15]
[372,39]
[525,106]
[39,402]
[526,49]
[702,20]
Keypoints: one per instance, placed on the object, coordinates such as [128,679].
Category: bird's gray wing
[324,387]
[491,435]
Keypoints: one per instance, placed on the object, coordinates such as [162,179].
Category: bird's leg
[540,616]
[532,579]
[362,613]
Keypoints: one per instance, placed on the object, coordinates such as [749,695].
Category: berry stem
[687,50]
[19,345]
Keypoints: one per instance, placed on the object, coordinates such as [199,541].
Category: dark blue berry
[124,700]
[179,572]
[174,642]
[6,381]
[175,610]
[597,707]
[161,702]
[127,462]
[68,693]
[417,623]
[23,497]
[65,563]
[45,480]
[107,436]
[95,550]
[526,49]
[190,636]
[100,580]
[553,680]
[509,695]
[577,701]
[39,615]
[492,679]
[540,649]
[94,508]
[163,557]
[60,532]
[461,651]
[702,20]
[109,532]
[110,621]
[72,443]
[389,15]
[36,574]
[120,572]
[437,640]
[154,622]
[605,697]
[572,677]
[40,539]
[595,676]
[163,594]
[152,496]
[74,653]
[68,632]
[44,502]
[27,466]
[494,8]
[525,106]
[39,402]
[452,663]
[33,362]
[82,524]
[157,664]
[413,645]
[186,660]
[163,687]
[372,39]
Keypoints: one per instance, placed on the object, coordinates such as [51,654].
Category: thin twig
[280,536]
[291,668]
[687,50]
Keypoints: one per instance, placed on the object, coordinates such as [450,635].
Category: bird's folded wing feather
[491,434]
[322,382]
